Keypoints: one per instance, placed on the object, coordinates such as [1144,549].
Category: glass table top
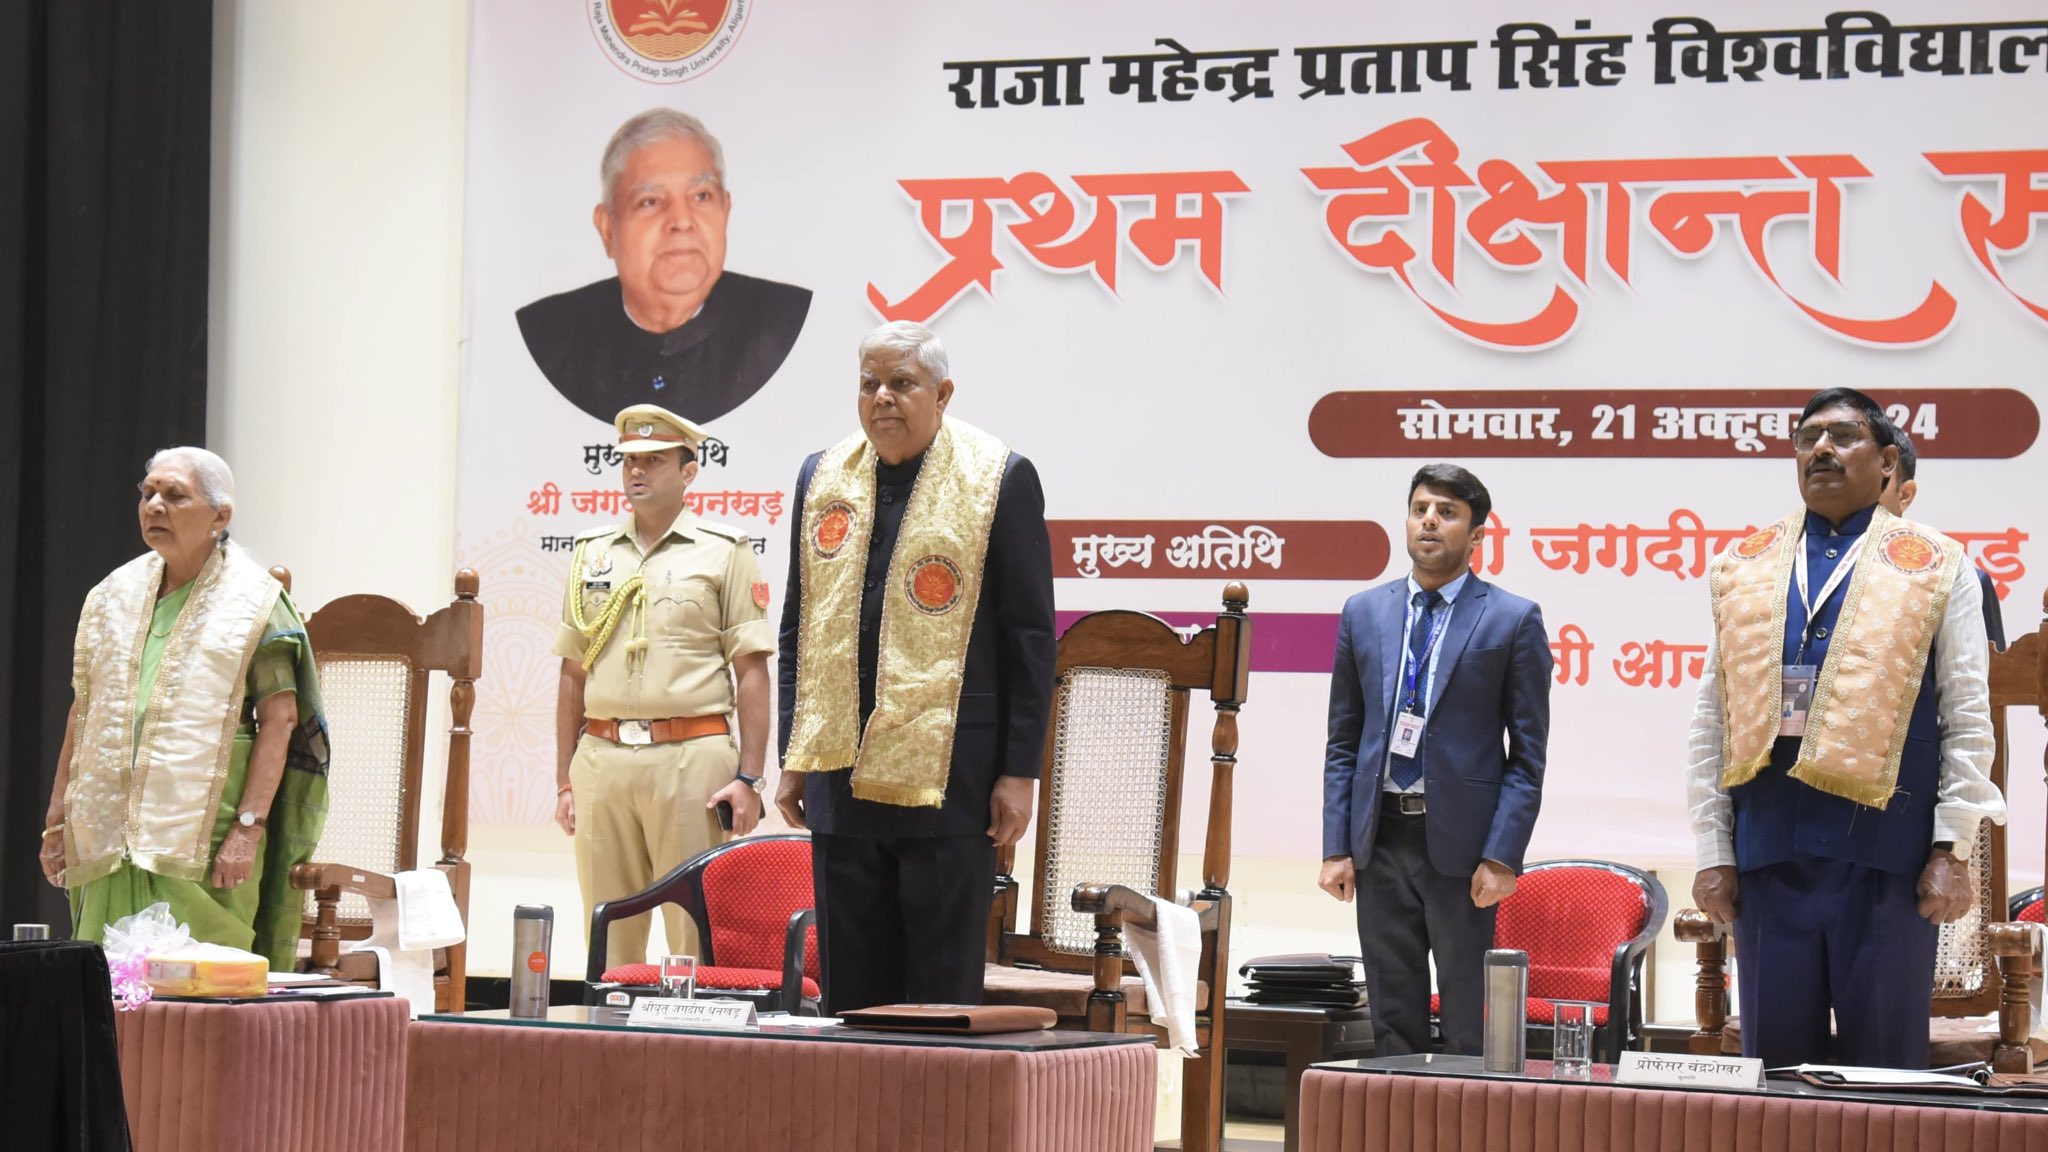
[1603,1077]
[794,1028]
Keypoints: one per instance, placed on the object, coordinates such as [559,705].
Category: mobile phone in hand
[725,815]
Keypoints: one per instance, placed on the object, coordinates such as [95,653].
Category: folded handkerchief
[1168,958]
[404,933]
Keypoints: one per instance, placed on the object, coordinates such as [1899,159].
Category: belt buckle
[636,732]
[1411,804]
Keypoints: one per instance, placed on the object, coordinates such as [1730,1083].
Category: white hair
[215,480]
[650,126]
[911,337]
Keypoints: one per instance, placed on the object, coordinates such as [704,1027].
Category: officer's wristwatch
[753,782]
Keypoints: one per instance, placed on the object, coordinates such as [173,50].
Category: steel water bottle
[1507,995]
[533,929]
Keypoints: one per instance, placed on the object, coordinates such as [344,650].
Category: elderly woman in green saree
[194,766]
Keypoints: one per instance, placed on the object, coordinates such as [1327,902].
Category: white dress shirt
[1963,699]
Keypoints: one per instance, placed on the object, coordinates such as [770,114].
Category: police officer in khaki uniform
[664,636]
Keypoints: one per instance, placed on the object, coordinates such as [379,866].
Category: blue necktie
[1408,769]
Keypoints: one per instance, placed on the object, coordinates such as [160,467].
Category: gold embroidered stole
[152,799]
[928,606]
[1863,702]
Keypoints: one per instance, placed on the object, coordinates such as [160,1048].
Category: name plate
[1674,1071]
[660,1012]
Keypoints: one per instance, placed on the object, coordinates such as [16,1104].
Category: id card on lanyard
[1800,677]
[1408,723]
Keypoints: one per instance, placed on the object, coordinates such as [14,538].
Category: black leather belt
[1404,804]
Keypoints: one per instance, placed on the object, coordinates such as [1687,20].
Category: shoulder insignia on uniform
[725,531]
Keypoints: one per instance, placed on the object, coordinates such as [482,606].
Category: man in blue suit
[1439,717]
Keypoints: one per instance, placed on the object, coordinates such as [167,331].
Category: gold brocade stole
[928,606]
[1856,723]
[152,799]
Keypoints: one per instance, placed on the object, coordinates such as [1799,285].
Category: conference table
[584,1078]
[1404,1103]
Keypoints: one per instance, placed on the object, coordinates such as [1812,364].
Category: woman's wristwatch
[250,820]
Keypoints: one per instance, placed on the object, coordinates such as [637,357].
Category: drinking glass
[1571,1046]
[679,977]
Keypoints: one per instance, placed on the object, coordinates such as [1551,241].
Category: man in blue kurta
[1839,755]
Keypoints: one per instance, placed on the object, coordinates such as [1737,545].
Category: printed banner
[1229,273]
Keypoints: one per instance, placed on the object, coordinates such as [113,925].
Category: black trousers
[902,921]
[1407,911]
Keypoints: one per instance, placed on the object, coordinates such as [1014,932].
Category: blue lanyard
[1437,625]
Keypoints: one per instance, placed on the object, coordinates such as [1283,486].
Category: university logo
[934,585]
[1909,552]
[666,41]
[1759,543]
[835,524]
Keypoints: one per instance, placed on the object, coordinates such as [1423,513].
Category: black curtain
[104,153]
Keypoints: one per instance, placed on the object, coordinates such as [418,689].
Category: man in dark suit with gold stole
[916,679]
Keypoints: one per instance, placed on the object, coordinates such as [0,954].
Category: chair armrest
[1622,982]
[793,959]
[1710,991]
[1128,906]
[343,878]
[1693,926]
[2013,945]
[1629,956]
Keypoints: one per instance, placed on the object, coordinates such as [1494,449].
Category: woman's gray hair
[911,337]
[216,482]
[648,127]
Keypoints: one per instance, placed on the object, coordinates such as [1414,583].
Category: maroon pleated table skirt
[503,1088]
[1411,1113]
[310,1076]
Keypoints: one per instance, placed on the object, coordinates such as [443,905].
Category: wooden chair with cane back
[375,657]
[1109,807]
[1983,962]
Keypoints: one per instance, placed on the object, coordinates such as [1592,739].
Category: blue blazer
[1482,748]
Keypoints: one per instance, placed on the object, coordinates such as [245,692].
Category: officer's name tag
[1689,1071]
[1407,734]
[597,585]
[657,1011]
[1798,697]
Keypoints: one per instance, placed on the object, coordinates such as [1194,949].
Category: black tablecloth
[60,1075]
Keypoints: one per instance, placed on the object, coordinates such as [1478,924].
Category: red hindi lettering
[1378,189]
[971,257]
[1687,220]
[1043,219]
[2011,229]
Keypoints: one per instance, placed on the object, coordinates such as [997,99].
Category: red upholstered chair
[757,931]
[1587,927]
[2027,908]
